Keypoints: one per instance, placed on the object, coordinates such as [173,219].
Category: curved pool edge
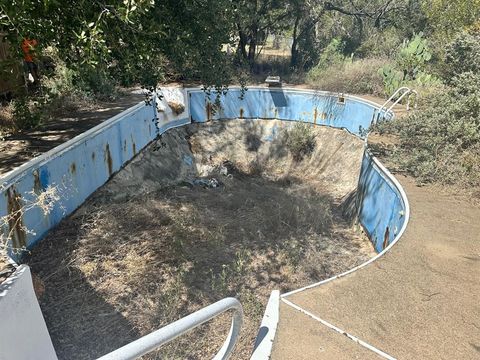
[399,187]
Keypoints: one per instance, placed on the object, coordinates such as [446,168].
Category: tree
[306,15]
[254,20]
[138,40]
[448,17]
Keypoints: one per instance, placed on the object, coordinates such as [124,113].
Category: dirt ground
[16,149]
[207,211]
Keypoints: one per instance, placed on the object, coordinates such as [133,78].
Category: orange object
[28,47]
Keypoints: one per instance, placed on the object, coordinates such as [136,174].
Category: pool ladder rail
[401,92]
[156,339]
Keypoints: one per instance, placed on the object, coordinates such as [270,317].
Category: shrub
[26,113]
[463,54]
[356,77]
[300,140]
[442,143]
[332,54]
[380,44]
[96,82]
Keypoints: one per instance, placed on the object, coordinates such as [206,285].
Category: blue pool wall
[321,108]
[381,203]
[76,169]
[80,166]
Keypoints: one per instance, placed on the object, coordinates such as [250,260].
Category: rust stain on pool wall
[315,116]
[134,147]
[108,159]
[209,109]
[241,113]
[15,221]
[386,238]
[73,168]
[37,185]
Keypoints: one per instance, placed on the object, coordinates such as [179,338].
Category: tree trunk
[242,43]
[252,47]
[294,50]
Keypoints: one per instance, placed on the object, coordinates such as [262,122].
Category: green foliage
[96,81]
[413,56]
[392,78]
[140,39]
[26,114]
[382,44]
[442,142]
[409,67]
[332,54]
[300,140]
[463,54]
[448,17]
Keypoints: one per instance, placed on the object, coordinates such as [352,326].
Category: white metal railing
[166,334]
[404,91]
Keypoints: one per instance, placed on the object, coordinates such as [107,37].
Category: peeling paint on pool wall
[354,114]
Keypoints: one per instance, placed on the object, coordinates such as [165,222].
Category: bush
[409,68]
[463,54]
[96,82]
[442,143]
[379,44]
[355,77]
[26,113]
[300,140]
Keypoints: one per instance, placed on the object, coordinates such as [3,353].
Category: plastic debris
[207,183]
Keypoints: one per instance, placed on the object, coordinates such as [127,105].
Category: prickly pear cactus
[413,56]
[392,79]
[409,65]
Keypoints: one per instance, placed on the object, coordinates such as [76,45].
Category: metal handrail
[407,91]
[166,334]
[415,93]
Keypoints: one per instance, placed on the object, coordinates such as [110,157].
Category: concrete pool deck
[421,300]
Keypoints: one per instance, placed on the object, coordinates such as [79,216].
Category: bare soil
[159,241]
[16,149]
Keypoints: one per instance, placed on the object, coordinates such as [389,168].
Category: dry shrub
[6,119]
[300,141]
[353,77]
[176,107]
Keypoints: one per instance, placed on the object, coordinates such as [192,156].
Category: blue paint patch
[187,160]
[381,208]
[44,178]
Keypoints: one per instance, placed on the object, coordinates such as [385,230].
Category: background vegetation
[89,49]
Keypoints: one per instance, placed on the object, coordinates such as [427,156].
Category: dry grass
[119,269]
[357,77]
[6,119]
